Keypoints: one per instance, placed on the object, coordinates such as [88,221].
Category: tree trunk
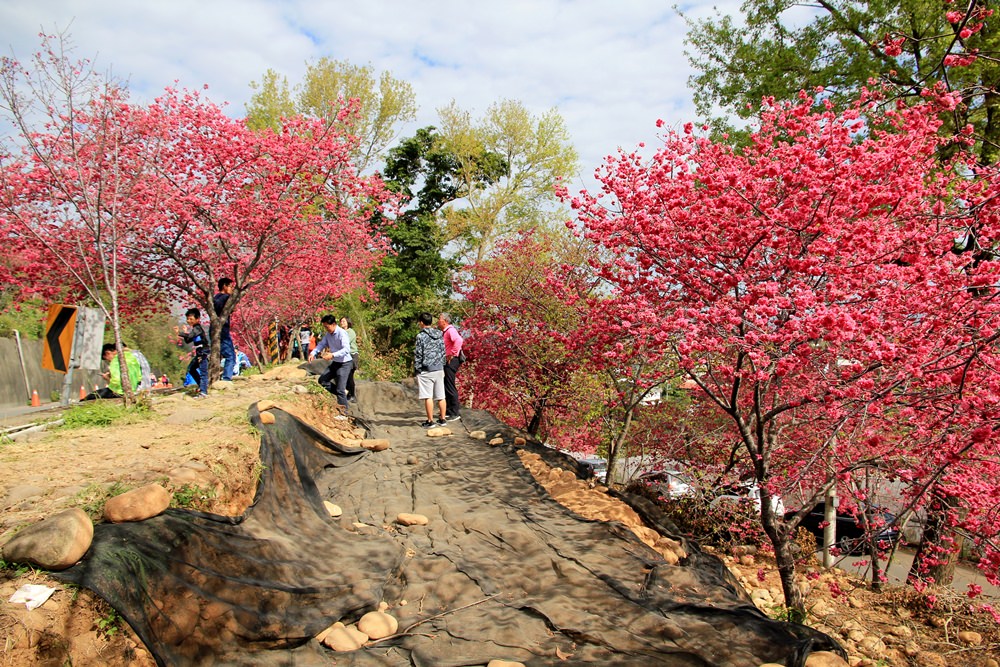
[264,357]
[872,533]
[784,559]
[942,557]
[128,396]
[536,418]
[616,444]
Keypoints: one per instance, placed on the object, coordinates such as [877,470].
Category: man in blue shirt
[336,347]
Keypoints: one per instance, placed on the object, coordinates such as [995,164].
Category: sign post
[72,340]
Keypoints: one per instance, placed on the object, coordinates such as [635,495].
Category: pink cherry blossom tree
[67,177]
[266,208]
[806,285]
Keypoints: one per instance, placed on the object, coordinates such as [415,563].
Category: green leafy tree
[417,276]
[384,101]
[272,101]
[508,163]
[908,44]
[152,334]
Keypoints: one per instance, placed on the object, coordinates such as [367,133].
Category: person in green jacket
[134,372]
[352,337]
[112,374]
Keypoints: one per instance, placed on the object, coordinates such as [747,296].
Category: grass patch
[192,496]
[111,623]
[100,413]
[91,500]
[15,570]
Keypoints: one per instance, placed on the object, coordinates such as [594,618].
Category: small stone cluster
[593,503]
[893,645]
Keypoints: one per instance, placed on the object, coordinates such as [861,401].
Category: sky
[611,68]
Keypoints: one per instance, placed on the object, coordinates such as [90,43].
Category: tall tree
[776,48]
[384,103]
[67,177]
[259,207]
[509,162]
[807,284]
[416,275]
[554,352]
[523,304]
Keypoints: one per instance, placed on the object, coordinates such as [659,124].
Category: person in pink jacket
[453,357]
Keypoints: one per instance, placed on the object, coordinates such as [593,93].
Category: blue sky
[611,68]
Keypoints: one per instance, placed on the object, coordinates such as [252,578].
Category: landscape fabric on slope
[501,571]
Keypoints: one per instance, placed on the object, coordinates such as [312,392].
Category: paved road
[964,574]
[16,415]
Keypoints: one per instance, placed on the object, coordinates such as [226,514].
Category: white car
[668,483]
[747,492]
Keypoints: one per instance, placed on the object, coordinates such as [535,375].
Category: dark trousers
[450,388]
[334,379]
[101,393]
[350,378]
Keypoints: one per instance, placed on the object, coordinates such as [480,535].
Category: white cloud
[611,69]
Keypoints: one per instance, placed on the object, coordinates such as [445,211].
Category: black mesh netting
[501,571]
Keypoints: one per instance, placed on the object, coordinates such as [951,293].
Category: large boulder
[378,625]
[55,543]
[137,504]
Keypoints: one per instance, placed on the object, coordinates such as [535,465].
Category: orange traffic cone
[35,401]
[83,393]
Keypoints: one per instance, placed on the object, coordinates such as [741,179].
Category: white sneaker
[454,418]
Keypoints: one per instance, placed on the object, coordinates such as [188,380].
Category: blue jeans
[198,369]
[228,354]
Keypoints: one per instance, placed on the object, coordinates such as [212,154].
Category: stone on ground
[137,504]
[378,625]
[54,543]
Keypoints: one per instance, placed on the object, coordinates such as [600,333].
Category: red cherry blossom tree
[524,302]
[67,178]
[264,208]
[806,285]
[552,351]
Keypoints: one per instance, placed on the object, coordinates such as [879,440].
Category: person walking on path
[352,337]
[453,358]
[336,347]
[195,335]
[428,362]
[226,349]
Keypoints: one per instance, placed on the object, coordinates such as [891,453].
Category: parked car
[598,465]
[667,483]
[748,492]
[852,536]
